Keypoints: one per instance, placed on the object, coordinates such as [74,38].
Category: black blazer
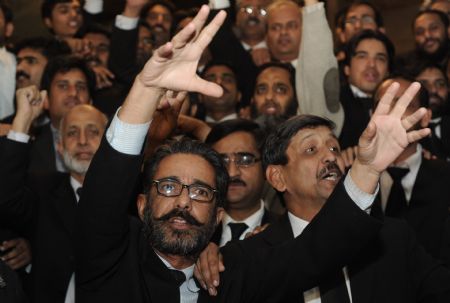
[47,203]
[393,267]
[42,154]
[116,264]
[440,147]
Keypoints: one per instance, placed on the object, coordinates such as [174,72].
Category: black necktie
[237,229]
[367,103]
[396,203]
[179,276]
[333,289]
[79,191]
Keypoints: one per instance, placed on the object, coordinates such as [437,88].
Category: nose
[371,62]
[233,169]
[82,139]
[269,95]
[183,201]
[329,156]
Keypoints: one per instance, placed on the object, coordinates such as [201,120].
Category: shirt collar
[75,185]
[228,117]
[252,222]
[247,47]
[297,224]
[188,272]
[358,93]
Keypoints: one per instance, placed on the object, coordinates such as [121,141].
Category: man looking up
[185,187]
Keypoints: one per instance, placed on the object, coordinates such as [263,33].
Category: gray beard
[73,165]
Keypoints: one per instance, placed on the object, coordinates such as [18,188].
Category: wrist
[21,124]
[132,11]
[364,176]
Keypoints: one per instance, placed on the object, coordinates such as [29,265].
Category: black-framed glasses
[253,9]
[174,188]
[240,159]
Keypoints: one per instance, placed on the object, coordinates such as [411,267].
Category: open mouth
[332,176]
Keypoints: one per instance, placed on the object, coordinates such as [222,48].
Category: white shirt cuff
[219,4]
[126,23]
[18,137]
[312,8]
[126,138]
[93,6]
[361,198]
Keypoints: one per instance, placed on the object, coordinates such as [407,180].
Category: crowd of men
[236,152]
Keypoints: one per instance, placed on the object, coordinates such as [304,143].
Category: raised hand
[387,135]
[207,268]
[30,102]
[173,66]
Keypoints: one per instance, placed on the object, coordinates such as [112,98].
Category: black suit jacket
[268,218]
[356,118]
[428,209]
[391,268]
[42,153]
[10,287]
[47,203]
[116,264]
[439,147]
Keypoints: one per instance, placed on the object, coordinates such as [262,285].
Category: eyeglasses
[240,159]
[366,20]
[252,9]
[174,188]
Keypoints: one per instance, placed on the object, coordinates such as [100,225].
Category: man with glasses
[239,142]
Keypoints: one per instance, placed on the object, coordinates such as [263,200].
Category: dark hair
[182,14]
[419,68]
[48,6]
[344,12]
[225,128]
[64,64]
[7,12]
[441,15]
[188,146]
[291,110]
[49,48]
[213,63]
[166,3]
[96,28]
[352,45]
[424,98]
[275,147]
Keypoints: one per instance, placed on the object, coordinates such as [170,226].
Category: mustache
[184,214]
[21,73]
[331,167]
[236,180]
[159,26]
[252,19]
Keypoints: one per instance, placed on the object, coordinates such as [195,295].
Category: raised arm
[317,74]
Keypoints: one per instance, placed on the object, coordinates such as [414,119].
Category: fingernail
[211,291]
[204,286]
[216,283]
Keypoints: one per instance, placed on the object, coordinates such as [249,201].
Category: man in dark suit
[303,161]
[369,59]
[434,79]
[120,260]
[68,82]
[240,142]
[46,203]
[421,194]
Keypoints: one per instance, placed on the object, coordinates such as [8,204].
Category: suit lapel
[44,148]
[160,286]
[65,203]
[417,210]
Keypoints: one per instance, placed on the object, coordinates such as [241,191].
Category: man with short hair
[435,82]
[368,61]
[119,260]
[239,143]
[224,107]
[159,16]
[431,36]
[284,31]
[46,203]
[69,82]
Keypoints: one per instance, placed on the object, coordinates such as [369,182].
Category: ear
[219,215]
[382,30]
[426,118]
[141,203]
[9,29]
[60,147]
[48,22]
[341,36]
[238,97]
[46,103]
[275,177]
[347,70]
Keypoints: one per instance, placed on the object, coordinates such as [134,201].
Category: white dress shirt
[226,118]
[7,82]
[252,222]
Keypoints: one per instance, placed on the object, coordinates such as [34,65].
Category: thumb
[206,87]
[368,135]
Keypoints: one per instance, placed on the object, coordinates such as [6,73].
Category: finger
[213,263]
[9,244]
[11,254]
[384,106]
[405,99]
[221,265]
[416,135]
[191,30]
[207,34]
[163,52]
[198,275]
[43,94]
[206,88]
[413,119]
[368,135]
[18,262]
[109,74]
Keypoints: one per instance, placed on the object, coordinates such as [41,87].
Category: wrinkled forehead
[272,74]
